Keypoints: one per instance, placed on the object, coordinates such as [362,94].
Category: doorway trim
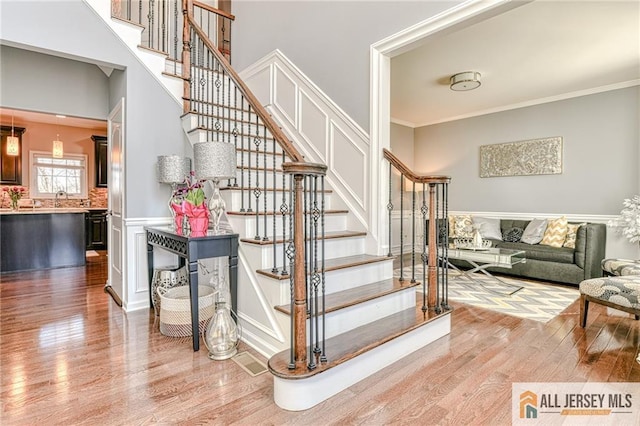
[462,15]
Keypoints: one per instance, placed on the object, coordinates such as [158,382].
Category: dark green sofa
[564,265]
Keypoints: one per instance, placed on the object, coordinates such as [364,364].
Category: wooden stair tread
[333,264]
[349,345]
[353,296]
[327,236]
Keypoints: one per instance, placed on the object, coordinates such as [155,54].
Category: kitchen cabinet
[101,156]
[10,166]
[35,239]
[96,229]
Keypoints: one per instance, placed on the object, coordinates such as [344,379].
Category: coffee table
[481,259]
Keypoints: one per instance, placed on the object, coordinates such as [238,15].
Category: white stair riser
[338,247]
[241,142]
[191,121]
[347,319]
[234,199]
[336,280]
[245,225]
[302,394]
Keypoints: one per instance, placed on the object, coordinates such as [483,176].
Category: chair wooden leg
[584,307]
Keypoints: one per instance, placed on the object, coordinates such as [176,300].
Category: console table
[190,250]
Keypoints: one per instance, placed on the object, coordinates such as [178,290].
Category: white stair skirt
[301,394]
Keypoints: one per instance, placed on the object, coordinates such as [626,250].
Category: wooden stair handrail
[408,173]
[277,133]
[214,10]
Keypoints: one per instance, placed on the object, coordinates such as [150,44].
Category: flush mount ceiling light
[463,81]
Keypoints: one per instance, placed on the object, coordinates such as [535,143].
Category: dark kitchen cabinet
[96,229]
[101,154]
[10,166]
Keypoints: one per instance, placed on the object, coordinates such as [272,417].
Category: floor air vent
[249,363]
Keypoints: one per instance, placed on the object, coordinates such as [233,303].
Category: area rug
[535,301]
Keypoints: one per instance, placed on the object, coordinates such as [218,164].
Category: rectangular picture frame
[523,158]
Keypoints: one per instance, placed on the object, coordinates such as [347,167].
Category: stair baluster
[434,251]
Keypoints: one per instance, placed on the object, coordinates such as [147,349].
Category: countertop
[55,210]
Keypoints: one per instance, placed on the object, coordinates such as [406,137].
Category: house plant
[15,194]
[193,206]
[630,219]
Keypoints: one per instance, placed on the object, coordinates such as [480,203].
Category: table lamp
[215,161]
[173,169]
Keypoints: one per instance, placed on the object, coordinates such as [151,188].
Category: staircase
[327,313]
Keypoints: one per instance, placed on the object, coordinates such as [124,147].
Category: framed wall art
[523,158]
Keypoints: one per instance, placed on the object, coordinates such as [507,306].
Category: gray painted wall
[328,40]
[601,141]
[71,29]
[71,87]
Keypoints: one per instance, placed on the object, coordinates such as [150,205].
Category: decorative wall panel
[524,158]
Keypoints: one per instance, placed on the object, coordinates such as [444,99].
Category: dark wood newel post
[186,56]
[432,276]
[299,279]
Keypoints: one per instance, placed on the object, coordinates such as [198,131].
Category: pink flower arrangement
[15,193]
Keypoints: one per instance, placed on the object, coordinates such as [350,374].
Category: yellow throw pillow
[556,232]
[572,233]
[460,226]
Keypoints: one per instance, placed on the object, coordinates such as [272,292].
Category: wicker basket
[175,310]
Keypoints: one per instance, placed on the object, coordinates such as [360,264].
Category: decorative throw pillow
[512,235]
[556,232]
[572,233]
[460,226]
[534,231]
[488,227]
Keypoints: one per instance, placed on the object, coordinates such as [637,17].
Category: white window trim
[85,187]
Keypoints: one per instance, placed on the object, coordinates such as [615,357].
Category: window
[50,175]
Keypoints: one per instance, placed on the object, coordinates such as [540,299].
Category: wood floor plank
[69,355]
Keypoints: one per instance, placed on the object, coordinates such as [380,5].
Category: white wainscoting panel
[314,124]
[349,163]
[322,131]
[136,279]
[285,95]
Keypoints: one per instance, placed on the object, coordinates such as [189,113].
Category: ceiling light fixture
[13,143]
[464,81]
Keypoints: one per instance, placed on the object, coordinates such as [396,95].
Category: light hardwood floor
[70,356]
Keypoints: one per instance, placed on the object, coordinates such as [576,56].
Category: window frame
[84,179]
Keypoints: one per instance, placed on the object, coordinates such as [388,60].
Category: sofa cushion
[556,232]
[572,234]
[534,231]
[489,228]
[460,226]
[512,235]
[540,252]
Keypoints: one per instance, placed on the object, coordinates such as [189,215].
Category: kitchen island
[38,238]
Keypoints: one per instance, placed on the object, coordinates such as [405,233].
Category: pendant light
[13,143]
[58,147]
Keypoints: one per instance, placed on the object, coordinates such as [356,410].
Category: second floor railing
[163,22]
